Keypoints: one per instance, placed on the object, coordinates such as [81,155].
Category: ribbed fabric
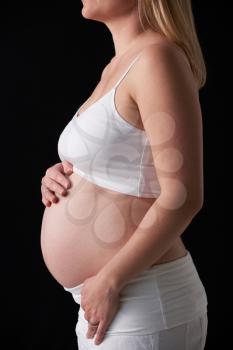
[107,150]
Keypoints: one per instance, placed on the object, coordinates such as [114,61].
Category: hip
[186,336]
[162,297]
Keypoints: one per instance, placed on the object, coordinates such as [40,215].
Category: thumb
[67,167]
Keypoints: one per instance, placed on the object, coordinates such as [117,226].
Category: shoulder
[165,52]
[163,80]
[164,60]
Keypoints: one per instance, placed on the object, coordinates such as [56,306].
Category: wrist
[111,280]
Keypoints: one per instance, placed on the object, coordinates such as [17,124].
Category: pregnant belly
[84,230]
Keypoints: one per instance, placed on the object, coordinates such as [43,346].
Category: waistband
[159,297]
[154,270]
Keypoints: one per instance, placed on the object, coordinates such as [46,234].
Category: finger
[55,173]
[53,186]
[67,167]
[91,330]
[46,192]
[51,200]
[49,196]
[46,202]
[100,332]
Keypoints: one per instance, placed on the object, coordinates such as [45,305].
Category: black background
[51,60]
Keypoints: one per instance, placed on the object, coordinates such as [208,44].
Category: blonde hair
[174,19]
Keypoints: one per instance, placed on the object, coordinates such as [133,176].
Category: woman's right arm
[54,181]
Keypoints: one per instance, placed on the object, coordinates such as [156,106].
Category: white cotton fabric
[163,308]
[107,150]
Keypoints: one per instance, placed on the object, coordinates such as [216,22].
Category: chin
[104,10]
[90,13]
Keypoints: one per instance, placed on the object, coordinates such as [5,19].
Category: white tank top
[109,151]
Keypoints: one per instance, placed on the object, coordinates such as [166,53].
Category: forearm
[153,237]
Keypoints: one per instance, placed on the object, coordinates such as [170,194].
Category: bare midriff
[87,227]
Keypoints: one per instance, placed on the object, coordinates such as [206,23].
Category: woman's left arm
[167,97]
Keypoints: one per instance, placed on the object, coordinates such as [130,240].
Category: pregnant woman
[129,183]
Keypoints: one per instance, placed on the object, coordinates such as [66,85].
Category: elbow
[195,205]
[197,201]
[178,200]
[198,206]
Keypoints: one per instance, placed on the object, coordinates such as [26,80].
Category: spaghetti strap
[124,74]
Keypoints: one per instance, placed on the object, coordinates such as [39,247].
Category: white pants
[187,336]
[163,308]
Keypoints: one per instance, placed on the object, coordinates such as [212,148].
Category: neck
[125,33]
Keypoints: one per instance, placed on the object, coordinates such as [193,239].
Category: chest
[122,101]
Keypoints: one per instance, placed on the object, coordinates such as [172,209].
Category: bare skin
[74,250]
